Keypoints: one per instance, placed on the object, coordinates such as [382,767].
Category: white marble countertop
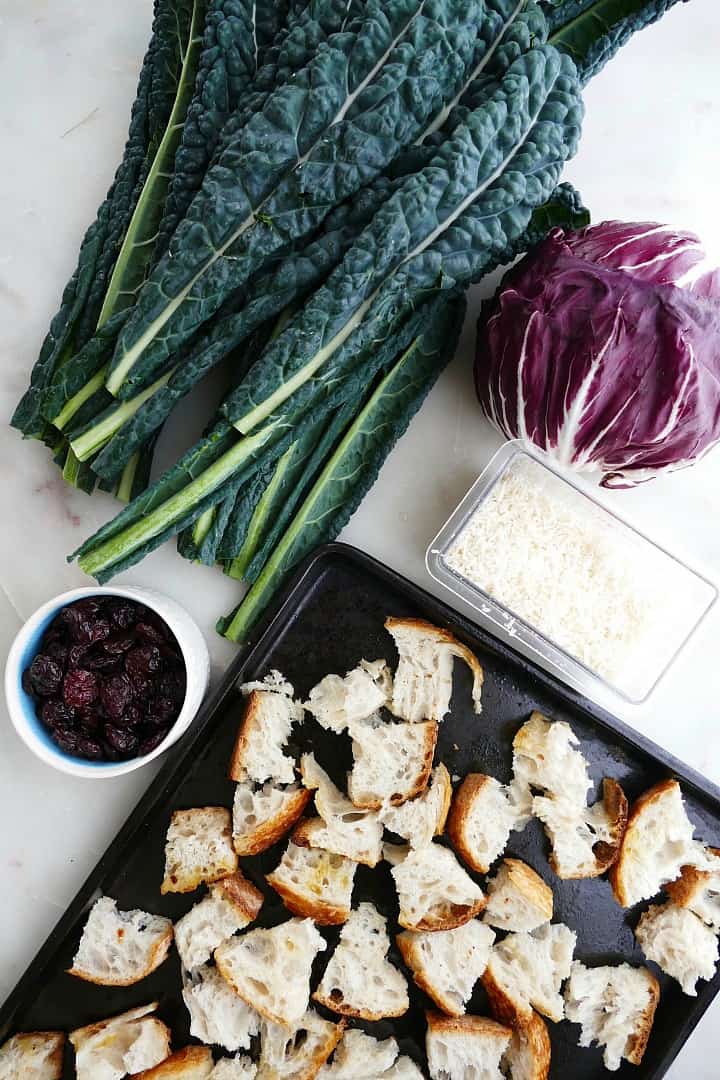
[650,150]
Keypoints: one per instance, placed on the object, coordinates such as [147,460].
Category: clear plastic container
[667,600]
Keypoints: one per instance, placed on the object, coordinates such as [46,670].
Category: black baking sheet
[330,617]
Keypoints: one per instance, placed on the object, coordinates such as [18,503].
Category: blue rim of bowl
[32,647]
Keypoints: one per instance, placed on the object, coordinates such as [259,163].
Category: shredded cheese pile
[563,565]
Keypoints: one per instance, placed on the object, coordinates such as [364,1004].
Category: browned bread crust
[344,1009]
[191,1063]
[460,810]
[241,893]
[252,716]
[657,791]
[440,1024]
[511,1011]
[448,916]
[269,832]
[534,1035]
[636,1044]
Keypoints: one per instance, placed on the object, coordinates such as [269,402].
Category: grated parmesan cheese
[566,567]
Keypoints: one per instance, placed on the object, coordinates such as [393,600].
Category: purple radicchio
[602,347]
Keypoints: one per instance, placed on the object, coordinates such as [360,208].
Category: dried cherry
[80,688]
[123,740]
[46,675]
[116,695]
[56,714]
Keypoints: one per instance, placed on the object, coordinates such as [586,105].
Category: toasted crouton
[262,815]
[234,1068]
[464,1047]
[231,904]
[423,680]
[359,980]
[482,816]
[362,1057]
[518,898]
[423,817]
[217,1014]
[585,840]
[270,969]
[315,884]
[434,891]
[528,1055]
[338,703]
[340,827]
[392,762]
[658,842]
[33,1055]
[297,1053]
[546,759]
[119,948]
[192,1063]
[678,942]
[615,1007]
[198,848]
[126,1043]
[699,890]
[526,971]
[264,730]
[446,964]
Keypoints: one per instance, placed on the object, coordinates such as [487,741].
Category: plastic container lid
[576,587]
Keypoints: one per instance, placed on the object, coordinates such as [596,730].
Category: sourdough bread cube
[259,753]
[234,1068]
[546,758]
[340,826]
[297,1053]
[362,1057]
[359,1057]
[518,898]
[231,904]
[423,680]
[262,815]
[527,970]
[585,841]
[482,816]
[446,964]
[615,1007]
[119,948]
[192,1063]
[658,842]
[528,1055]
[699,890]
[126,1043]
[270,969]
[315,884]
[434,891]
[678,942]
[423,817]
[33,1055]
[217,1014]
[359,980]
[198,848]
[337,703]
[392,762]
[465,1047]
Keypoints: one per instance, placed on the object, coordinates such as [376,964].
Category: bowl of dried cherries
[100,681]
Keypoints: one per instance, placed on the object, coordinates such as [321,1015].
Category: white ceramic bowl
[23,649]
